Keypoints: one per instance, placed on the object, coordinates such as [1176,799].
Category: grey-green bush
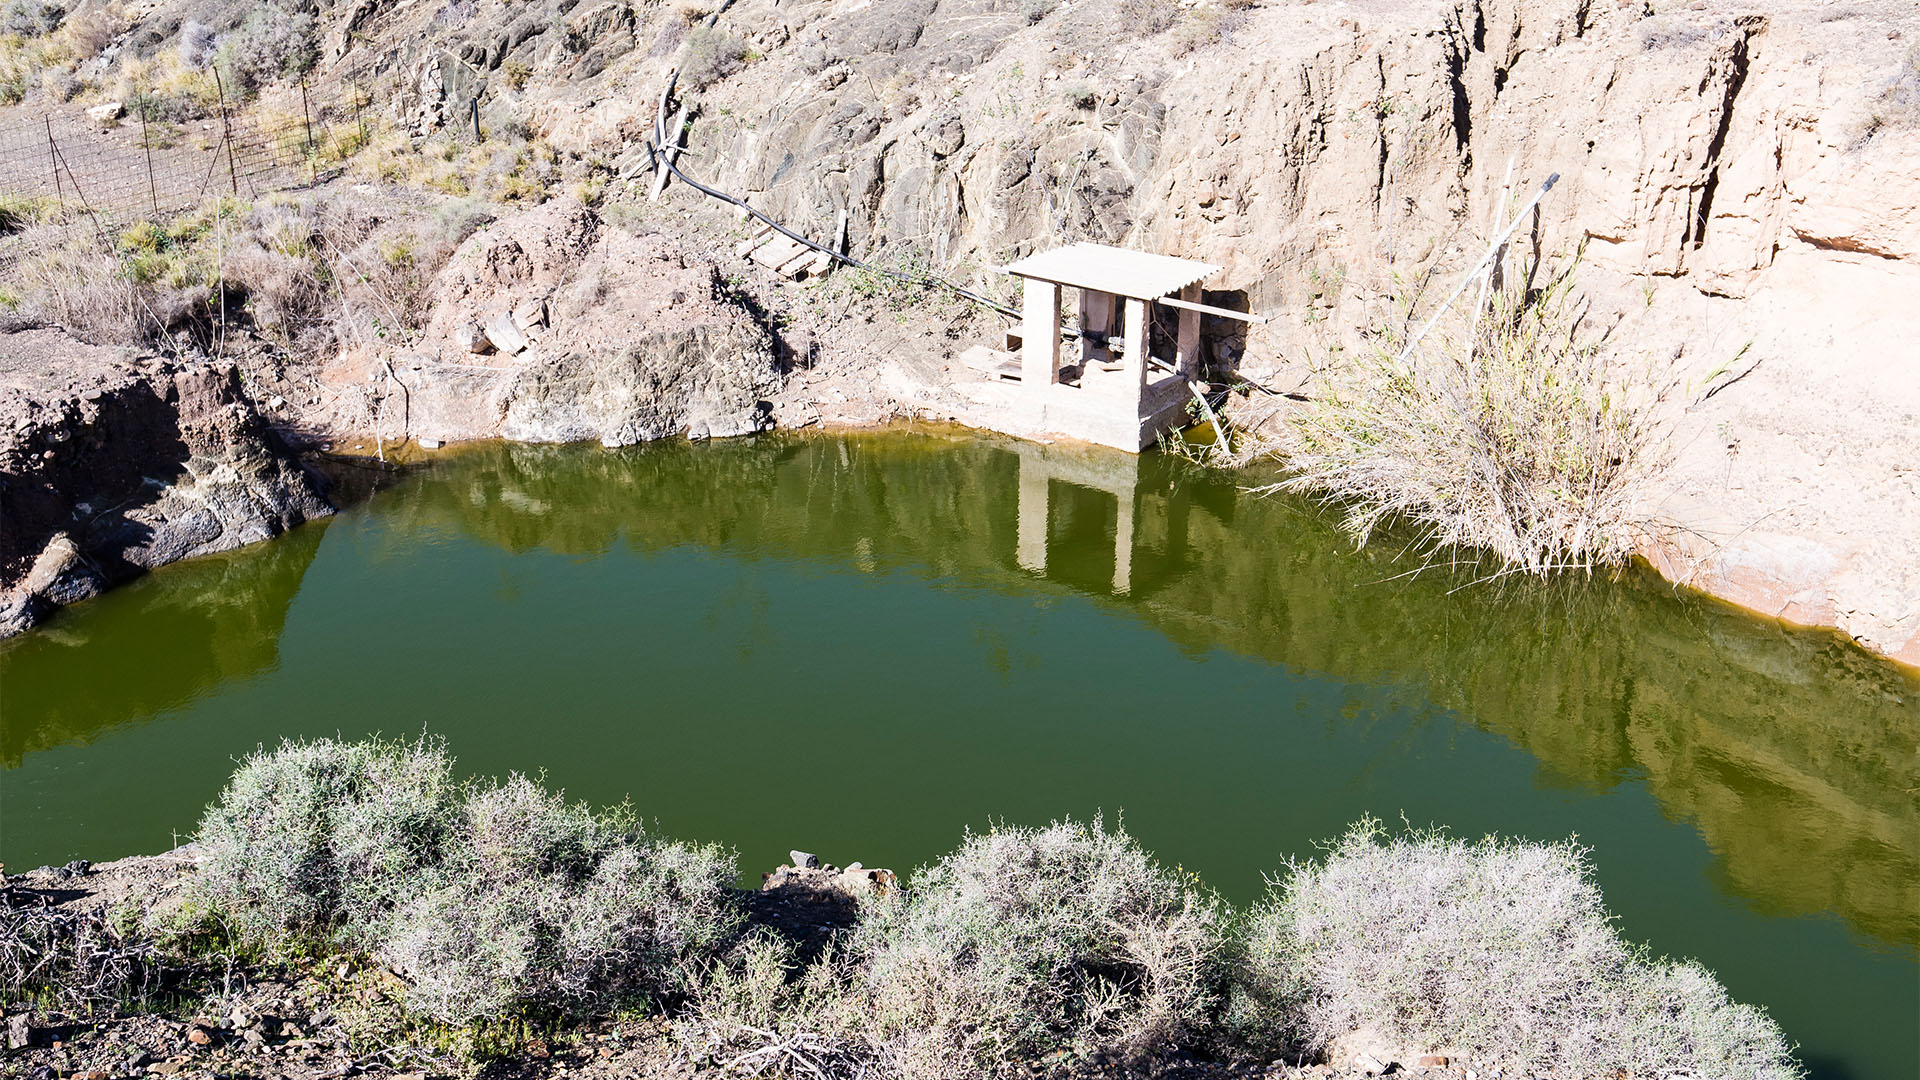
[198,44]
[30,18]
[548,904]
[273,43]
[1500,950]
[492,899]
[317,842]
[1029,941]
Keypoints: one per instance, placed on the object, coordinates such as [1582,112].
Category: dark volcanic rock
[112,464]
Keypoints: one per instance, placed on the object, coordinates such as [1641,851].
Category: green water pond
[865,645]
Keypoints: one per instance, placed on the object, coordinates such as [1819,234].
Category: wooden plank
[794,265]
[776,252]
[1225,313]
[671,151]
[745,247]
[992,362]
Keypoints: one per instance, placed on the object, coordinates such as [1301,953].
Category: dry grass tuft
[78,281]
[1145,18]
[1509,433]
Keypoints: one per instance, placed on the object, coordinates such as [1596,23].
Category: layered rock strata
[112,464]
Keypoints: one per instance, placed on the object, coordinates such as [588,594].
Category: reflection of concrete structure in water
[1125,382]
[1117,475]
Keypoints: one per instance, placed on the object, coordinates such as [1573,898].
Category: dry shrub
[1021,945]
[1509,433]
[273,43]
[307,273]
[1035,10]
[1145,18]
[84,961]
[711,55]
[286,294]
[1205,27]
[153,280]
[166,88]
[1025,942]
[30,18]
[493,899]
[673,31]
[382,269]
[77,281]
[318,842]
[88,34]
[198,44]
[1499,949]
[548,904]
[757,1011]
[1898,105]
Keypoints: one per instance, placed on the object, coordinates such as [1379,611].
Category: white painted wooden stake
[670,153]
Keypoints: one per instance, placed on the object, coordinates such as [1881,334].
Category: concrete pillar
[1096,314]
[1030,547]
[1136,339]
[1040,336]
[1123,544]
[1187,351]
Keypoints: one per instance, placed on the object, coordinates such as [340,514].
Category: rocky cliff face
[552,327]
[112,464]
[1743,178]
[1742,175]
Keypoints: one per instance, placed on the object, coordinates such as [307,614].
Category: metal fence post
[53,158]
[153,192]
[306,110]
[313,150]
[226,131]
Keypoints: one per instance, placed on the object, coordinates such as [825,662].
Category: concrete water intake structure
[1127,379]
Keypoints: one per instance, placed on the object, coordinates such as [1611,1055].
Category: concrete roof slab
[1121,271]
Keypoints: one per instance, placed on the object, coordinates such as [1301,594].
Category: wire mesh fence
[103,173]
[135,170]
